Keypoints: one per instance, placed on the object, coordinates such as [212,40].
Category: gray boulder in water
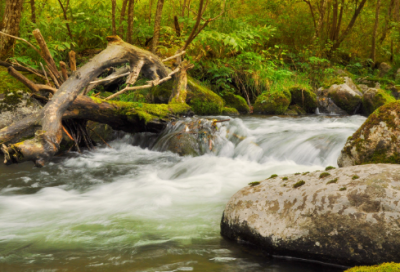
[346,216]
[191,136]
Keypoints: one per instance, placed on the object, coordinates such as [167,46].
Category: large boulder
[377,140]
[237,102]
[327,106]
[191,136]
[273,102]
[304,97]
[347,216]
[374,98]
[346,96]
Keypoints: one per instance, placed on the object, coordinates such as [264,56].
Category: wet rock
[193,137]
[384,68]
[327,106]
[374,98]
[346,96]
[237,102]
[101,132]
[351,216]
[304,97]
[272,102]
[376,141]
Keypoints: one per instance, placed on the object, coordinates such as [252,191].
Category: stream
[133,209]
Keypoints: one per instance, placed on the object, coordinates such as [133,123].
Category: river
[127,208]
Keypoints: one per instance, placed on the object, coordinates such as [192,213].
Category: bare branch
[17,38]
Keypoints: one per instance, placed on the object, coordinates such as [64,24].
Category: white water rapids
[133,209]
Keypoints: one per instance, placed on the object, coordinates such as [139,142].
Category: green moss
[254,183]
[299,183]
[273,176]
[329,168]
[237,102]
[162,92]
[229,111]
[305,173]
[273,102]
[297,174]
[303,96]
[328,82]
[344,100]
[381,97]
[343,189]
[285,178]
[202,100]
[385,267]
[144,111]
[324,175]
[355,177]
[360,139]
[332,181]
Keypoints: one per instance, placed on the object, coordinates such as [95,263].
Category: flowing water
[133,209]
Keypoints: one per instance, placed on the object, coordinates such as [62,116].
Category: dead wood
[65,104]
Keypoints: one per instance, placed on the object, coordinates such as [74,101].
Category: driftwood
[66,104]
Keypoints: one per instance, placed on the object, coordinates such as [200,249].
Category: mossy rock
[237,102]
[345,97]
[229,111]
[385,267]
[202,100]
[375,98]
[304,97]
[377,140]
[337,80]
[295,110]
[273,102]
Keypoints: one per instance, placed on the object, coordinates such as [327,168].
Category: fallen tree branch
[174,56]
[20,39]
[46,142]
[149,85]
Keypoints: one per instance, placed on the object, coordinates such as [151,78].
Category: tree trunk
[11,20]
[334,20]
[157,22]
[350,25]
[122,18]
[33,12]
[113,6]
[65,9]
[322,11]
[179,91]
[373,47]
[129,33]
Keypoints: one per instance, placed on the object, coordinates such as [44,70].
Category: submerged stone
[320,221]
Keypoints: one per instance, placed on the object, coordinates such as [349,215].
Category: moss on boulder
[229,111]
[237,102]
[385,267]
[202,100]
[345,97]
[374,98]
[304,96]
[295,110]
[273,102]
[377,140]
